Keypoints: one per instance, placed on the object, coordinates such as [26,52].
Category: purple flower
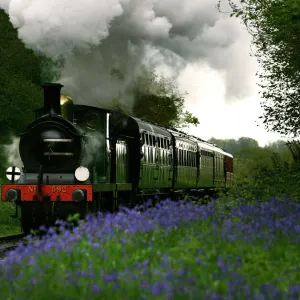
[156,289]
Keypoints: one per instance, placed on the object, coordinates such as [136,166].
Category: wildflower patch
[175,250]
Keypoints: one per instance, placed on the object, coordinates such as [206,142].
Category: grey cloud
[96,36]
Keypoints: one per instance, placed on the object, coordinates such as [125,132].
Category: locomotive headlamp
[82,174]
[12,195]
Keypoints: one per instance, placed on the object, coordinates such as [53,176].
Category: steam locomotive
[81,159]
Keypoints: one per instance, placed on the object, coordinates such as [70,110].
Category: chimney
[52,98]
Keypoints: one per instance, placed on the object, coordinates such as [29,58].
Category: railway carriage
[80,159]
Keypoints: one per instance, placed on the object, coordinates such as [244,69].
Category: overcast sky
[218,118]
[206,51]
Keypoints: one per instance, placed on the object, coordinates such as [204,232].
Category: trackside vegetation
[8,224]
[176,250]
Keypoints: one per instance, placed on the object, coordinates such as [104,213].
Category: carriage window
[188,158]
[150,155]
[181,158]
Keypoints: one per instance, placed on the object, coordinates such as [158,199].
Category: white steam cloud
[92,152]
[12,153]
[95,37]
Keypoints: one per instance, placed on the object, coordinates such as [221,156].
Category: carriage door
[156,162]
[122,161]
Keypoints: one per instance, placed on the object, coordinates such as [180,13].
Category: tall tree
[21,73]
[158,99]
[233,146]
[275,28]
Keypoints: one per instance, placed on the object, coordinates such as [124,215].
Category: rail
[10,242]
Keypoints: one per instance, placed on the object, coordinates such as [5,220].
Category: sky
[205,51]
[206,99]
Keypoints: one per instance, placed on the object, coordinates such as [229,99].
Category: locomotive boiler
[81,159]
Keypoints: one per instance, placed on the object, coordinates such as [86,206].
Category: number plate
[58,189]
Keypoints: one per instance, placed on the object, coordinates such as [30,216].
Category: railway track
[10,242]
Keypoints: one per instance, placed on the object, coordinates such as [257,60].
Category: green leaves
[157,99]
[275,29]
[21,73]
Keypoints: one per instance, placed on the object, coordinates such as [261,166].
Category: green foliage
[8,225]
[249,157]
[277,146]
[275,26]
[261,174]
[233,146]
[21,73]
[157,99]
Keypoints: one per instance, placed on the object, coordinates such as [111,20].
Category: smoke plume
[92,151]
[12,153]
[105,43]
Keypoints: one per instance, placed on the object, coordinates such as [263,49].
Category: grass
[170,253]
[8,225]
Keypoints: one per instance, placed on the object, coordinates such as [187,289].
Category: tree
[233,146]
[158,99]
[275,29]
[278,146]
[21,73]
